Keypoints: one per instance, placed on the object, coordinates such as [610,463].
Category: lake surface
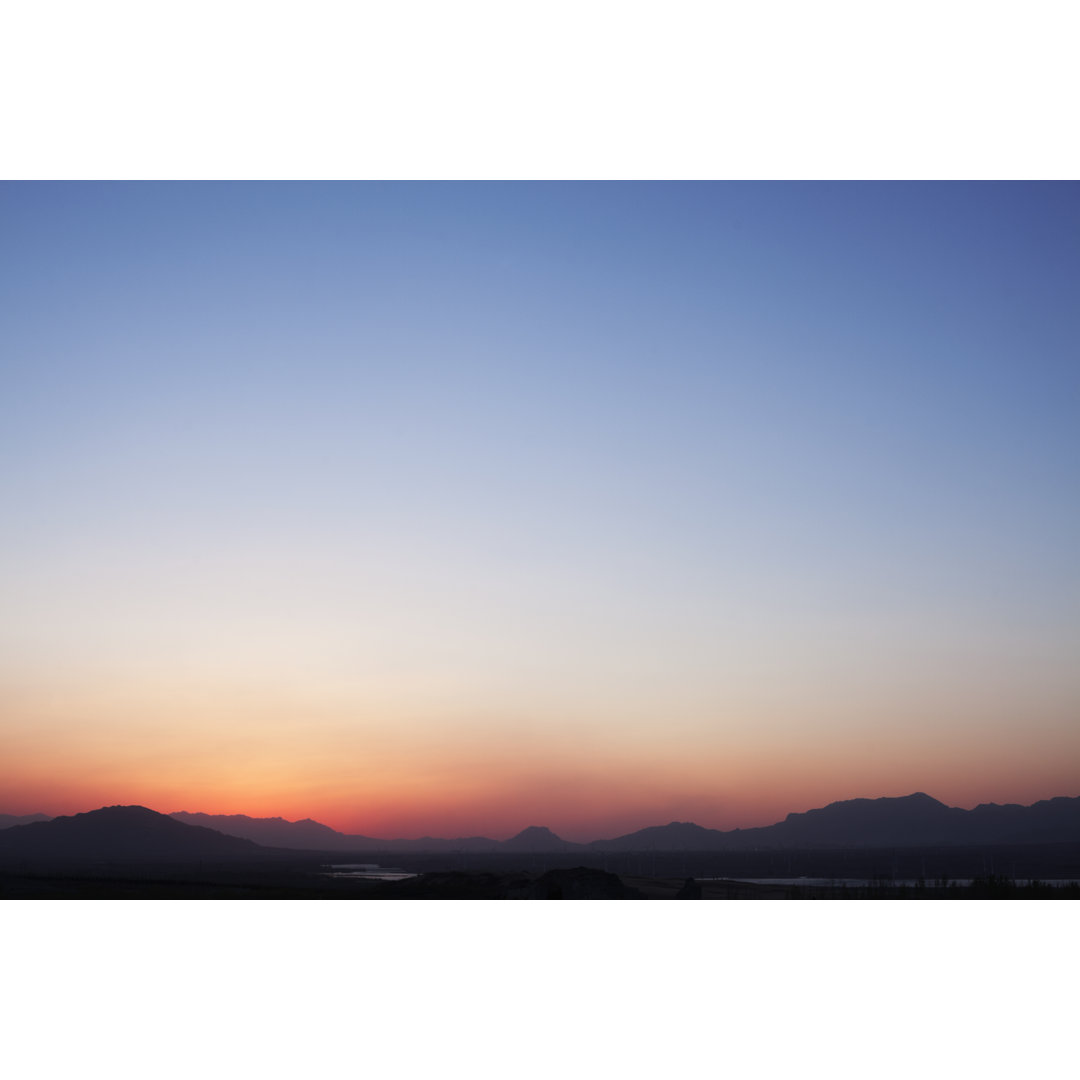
[854,883]
[367,872]
[864,883]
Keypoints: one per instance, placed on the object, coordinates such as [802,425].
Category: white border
[588,89]
[282,989]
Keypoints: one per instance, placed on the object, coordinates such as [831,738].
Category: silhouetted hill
[909,821]
[120,832]
[304,835]
[309,835]
[538,838]
[8,820]
[677,836]
[1049,821]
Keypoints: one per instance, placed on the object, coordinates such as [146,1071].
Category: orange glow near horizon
[419,777]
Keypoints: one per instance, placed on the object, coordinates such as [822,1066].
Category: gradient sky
[449,509]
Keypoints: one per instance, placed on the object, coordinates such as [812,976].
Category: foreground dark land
[1029,872]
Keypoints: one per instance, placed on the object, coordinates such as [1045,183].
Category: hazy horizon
[435,834]
[439,508]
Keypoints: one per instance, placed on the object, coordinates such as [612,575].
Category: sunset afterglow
[447,509]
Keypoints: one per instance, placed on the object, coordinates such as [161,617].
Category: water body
[851,883]
[865,883]
[367,872]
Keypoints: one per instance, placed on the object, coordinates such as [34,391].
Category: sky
[448,509]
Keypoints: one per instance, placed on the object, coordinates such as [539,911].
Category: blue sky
[713,474]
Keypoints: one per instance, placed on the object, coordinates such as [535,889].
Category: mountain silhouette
[309,835]
[908,821]
[277,832]
[121,832]
[677,836]
[8,820]
[538,838]
[1049,821]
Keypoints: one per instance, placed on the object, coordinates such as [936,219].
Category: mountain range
[910,821]
[121,833]
[308,835]
[7,820]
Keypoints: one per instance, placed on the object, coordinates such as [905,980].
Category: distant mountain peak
[538,838]
[121,832]
[675,836]
[884,802]
[274,831]
[536,832]
[921,796]
[8,820]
